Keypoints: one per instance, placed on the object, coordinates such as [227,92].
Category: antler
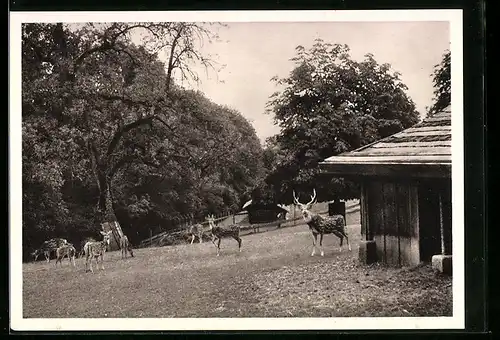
[295,199]
[313,197]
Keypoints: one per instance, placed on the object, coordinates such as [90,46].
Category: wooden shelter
[263,213]
[406,193]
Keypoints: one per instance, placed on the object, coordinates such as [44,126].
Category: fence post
[234,219]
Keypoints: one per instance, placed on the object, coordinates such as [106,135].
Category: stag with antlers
[320,225]
[220,232]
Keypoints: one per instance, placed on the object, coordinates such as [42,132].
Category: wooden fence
[179,233]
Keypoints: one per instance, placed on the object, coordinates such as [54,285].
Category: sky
[254,52]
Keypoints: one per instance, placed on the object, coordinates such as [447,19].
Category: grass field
[273,276]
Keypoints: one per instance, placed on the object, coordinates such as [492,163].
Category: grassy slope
[274,275]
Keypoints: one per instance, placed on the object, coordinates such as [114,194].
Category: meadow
[273,276]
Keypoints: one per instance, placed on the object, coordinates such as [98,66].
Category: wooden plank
[390,224]
[388,170]
[414,252]
[365,227]
[392,250]
[354,158]
[407,151]
[428,128]
[375,218]
[403,212]
[423,133]
[444,143]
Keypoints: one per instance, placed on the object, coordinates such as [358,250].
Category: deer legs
[192,238]
[315,239]
[218,246]
[238,239]
[341,236]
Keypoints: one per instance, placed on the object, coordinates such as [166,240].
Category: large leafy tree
[107,130]
[331,104]
[102,91]
[441,79]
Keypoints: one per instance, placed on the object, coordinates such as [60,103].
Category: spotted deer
[82,245]
[49,247]
[220,232]
[194,231]
[96,250]
[67,250]
[125,246]
[320,225]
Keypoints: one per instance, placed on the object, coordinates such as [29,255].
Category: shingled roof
[424,150]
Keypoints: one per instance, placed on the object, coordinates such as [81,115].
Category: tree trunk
[105,203]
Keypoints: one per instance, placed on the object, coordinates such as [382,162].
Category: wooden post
[234,219]
[441,225]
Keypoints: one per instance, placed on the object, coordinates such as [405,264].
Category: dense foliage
[107,134]
[330,104]
[441,79]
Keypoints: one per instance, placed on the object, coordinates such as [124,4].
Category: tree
[99,88]
[441,79]
[330,104]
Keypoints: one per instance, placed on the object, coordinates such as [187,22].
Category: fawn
[48,247]
[96,250]
[194,231]
[125,246]
[67,250]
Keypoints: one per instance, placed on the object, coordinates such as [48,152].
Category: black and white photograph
[236,170]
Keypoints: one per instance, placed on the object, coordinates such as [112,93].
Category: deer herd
[94,250]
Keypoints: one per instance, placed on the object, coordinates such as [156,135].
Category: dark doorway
[336,208]
[429,220]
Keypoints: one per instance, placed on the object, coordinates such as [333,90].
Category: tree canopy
[107,133]
[441,79]
[330,104]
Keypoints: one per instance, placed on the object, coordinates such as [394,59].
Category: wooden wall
[403,218]
[390,218]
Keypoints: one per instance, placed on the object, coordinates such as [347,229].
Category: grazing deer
[48,247]
[67,250]
[96,250]
[219,232]
[322,225]
[194,231]
[125,246]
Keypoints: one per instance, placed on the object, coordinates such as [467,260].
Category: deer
[320,225]
[67,250]
[48,247]
[82,245]
[96,250]
[196,230]
[220,232]
[125,246]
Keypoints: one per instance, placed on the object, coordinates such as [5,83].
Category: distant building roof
[424,150]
